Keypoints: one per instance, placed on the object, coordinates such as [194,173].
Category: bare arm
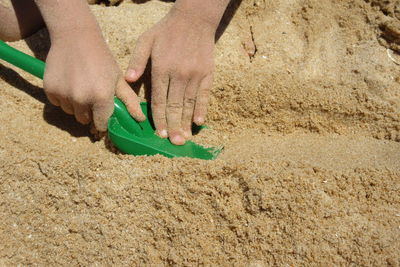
[66,16]
[18,19]
[210,11]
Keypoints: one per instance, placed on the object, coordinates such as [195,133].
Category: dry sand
[306,102]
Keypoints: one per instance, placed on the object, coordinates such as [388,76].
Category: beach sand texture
[306,102]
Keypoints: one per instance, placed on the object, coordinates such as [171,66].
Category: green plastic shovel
[128,135]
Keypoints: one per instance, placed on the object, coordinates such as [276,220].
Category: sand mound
[306,102]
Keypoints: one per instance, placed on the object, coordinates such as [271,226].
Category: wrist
[75,33]
[205,12]
[67,18]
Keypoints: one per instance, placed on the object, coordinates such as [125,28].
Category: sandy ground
[306,103]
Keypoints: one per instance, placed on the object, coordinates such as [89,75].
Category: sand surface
[306,102]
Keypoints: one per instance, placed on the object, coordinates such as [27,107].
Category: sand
[306,102]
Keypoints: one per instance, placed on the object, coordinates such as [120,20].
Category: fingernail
[163,133]
[178,140]
[130,74]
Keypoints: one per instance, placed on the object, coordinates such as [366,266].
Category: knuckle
[186,73]
[196,72]
[204,93]
[173,106]
[182,74]
[190,102]
[156,104]
[190,70]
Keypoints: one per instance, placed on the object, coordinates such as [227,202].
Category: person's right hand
[181,50]
[82,78]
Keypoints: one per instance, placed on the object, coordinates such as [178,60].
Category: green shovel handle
[21,60]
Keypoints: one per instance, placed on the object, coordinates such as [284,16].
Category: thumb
[130,99]
[140,56]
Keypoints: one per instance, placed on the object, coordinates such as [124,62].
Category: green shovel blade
[140,139]
[128,135]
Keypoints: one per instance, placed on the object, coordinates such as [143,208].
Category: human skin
[81,75]
[180,47]
[19,19]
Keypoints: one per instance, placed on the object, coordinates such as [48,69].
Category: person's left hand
[181,50]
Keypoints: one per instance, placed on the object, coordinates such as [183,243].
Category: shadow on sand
[39,43]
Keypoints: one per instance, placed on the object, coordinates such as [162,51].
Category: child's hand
[81,77]
[181,51]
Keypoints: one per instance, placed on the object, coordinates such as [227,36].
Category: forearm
[18,19]
[208,11]
[65,17]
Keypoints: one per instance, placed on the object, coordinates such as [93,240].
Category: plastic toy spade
[130,136]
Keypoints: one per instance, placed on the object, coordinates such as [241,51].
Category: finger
[130,99]
[174,110]
[53,99]
[159,83]
[188,107]
[66,106]
[203,94]
[140,56]
[101,111]
[82,113]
